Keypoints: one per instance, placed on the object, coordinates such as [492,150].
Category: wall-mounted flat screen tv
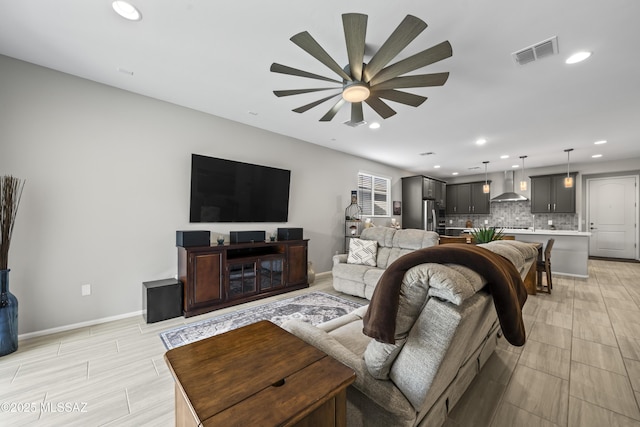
[229,191]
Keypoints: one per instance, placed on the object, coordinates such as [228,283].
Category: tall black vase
[8,316]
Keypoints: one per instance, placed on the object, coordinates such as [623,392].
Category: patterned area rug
[314,308]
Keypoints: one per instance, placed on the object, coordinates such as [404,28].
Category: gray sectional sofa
[360,280]
[446,329]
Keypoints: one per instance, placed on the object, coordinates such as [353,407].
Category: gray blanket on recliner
[504,282]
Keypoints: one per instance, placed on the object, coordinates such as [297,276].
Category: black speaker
[161,299]
[289,233]
[246,236]
[193,238]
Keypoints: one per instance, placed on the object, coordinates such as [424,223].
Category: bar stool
[544,266]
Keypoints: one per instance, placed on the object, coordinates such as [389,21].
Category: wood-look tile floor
[579,368]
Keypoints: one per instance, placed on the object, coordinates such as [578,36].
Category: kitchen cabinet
[548,194]
[467,198]
[421,196]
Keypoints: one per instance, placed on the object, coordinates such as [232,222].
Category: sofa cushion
[414,239]
[448,282]
[380,356]
[362,252]
[382,235]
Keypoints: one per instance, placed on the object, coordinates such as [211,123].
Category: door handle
[593,228]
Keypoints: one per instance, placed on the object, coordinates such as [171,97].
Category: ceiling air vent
[537,51]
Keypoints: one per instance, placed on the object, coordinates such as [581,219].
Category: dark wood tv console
[219,276]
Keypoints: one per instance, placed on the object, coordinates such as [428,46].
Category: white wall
[108,185]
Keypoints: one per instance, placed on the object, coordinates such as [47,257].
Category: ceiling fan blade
[280,93]
[419,60]
[408,30]
[333,111]
[355,30]
[283,69]
[314,104]
[401,97]
[420,80]
[357,115]
[311,46]
[380,107]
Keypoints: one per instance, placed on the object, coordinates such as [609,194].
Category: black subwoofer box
[246,236]
[161,300]
[193,238]
[289,233]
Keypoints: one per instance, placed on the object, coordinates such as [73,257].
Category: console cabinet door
[297,265]
[271,273]
[206,284]
[242,278]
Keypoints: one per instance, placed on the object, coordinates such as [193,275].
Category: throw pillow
[362,252]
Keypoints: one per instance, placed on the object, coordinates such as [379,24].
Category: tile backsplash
[518,215]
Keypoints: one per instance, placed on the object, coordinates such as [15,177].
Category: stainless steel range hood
[509,196]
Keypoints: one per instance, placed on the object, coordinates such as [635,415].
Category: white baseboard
[78,325]
[103,320]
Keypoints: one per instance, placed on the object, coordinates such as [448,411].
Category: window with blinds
[374,195]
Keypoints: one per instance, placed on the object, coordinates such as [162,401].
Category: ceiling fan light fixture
[355,92]
[126,10]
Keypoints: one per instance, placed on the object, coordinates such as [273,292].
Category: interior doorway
[612,215]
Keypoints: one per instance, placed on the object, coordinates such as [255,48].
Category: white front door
[612,210]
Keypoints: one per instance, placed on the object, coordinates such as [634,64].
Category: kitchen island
[570,251]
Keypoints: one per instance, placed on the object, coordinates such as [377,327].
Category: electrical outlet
[486,221]
[86,290]
[550,222]
[450,221]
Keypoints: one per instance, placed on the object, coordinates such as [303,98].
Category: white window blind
[374,195]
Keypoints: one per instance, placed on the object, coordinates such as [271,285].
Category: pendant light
[523,182]
[485,188]
[568,181]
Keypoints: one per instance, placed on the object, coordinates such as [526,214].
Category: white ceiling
[214,56]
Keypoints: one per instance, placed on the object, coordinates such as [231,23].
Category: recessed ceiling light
[595,156]
[436,167]
[481,141]
[374,125]
[504,156]
[604,141]
[454,173]
[577,57]
[515,166]
[126,10]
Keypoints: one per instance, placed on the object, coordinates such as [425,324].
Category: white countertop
[538,231]
[547,232]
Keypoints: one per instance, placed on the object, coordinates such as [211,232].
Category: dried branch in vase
[10,194]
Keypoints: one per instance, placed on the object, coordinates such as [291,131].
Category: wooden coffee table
[258,375]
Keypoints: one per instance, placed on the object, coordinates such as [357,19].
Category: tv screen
[229,191]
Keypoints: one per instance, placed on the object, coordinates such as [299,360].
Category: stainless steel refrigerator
[429,215]
[422,204]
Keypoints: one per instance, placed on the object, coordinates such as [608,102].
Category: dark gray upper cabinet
[467,199]
[548,194]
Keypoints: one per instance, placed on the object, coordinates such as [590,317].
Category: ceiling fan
[374,81]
